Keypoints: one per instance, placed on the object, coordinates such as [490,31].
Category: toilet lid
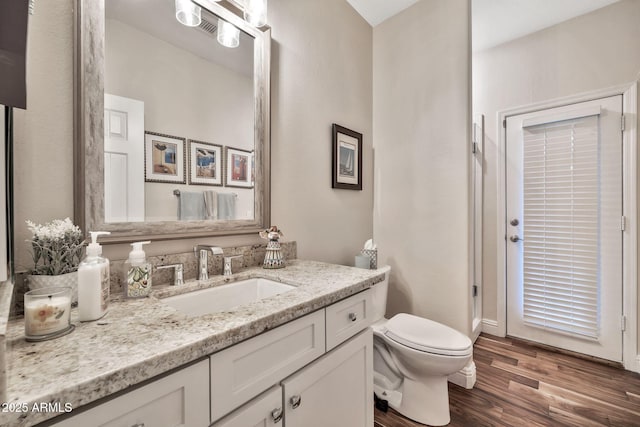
[426,335]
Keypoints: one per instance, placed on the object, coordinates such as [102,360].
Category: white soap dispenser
[137,273]
[93,281]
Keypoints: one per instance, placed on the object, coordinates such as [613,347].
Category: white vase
[70,280]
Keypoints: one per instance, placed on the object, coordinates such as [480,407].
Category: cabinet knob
[353,317]
[295,401]
[276,414]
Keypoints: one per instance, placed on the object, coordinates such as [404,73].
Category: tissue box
[373,254]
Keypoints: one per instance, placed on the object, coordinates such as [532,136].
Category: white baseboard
[490,327]
[634,365]
[465,377]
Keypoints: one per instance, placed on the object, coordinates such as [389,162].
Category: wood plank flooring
[523,385]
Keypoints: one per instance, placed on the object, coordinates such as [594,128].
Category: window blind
[561,207]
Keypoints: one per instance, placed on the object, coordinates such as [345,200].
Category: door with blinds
[564,227]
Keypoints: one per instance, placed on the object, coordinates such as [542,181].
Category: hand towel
[226,206]
[211,204]
[190,206]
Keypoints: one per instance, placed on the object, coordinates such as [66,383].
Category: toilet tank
[380,294]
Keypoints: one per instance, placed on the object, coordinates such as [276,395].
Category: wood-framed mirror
[171,141]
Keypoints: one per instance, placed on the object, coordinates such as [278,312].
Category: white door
[335,390]
[563,230]
[123,159]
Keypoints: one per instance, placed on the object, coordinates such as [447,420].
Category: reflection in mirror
[179,113]
[171,128]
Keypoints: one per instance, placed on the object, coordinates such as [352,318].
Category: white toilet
[412,359]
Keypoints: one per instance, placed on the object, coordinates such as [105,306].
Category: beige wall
[321,74]
[591,52]
[322,66]
[43,138]
[421,140]
[199,103]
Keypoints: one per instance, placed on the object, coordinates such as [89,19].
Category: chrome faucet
[202,253]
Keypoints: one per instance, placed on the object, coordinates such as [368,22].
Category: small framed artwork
[164,159]
[238,168]
[205,163]
[347,158]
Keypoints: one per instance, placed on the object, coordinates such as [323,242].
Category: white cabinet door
[264,411]
[336,390]
[179,399]
[245,370]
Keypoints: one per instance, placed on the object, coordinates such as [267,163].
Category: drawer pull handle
[295,401]
[138,425]
[353,317]
[276,414]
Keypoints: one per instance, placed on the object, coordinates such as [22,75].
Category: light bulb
[228,34]
[255,12]
[188,13]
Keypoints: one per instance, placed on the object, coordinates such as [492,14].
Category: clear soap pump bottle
[137,272]
[93,281]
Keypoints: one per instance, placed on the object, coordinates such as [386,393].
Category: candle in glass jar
[47,311]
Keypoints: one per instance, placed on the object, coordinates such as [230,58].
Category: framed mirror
[171,127]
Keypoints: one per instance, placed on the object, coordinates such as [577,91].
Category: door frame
[629,92]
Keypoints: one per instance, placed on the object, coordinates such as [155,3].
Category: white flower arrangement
[56,247]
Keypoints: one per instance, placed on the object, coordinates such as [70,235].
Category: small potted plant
[56,248]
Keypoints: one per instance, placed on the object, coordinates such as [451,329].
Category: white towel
[226,206]
[190,206]
[211,204]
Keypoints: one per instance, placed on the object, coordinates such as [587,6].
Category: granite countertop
[139,339]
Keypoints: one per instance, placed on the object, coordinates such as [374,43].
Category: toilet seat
[411,331]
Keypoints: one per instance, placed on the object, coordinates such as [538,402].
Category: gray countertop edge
[122,377]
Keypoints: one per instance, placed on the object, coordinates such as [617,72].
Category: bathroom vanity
[284,358]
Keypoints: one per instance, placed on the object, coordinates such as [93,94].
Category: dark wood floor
[522,385]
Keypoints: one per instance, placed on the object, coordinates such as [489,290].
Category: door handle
[276,415]
[515,238]
[295,401]
[514,222]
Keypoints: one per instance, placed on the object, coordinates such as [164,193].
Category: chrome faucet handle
[227,264]
[178,271]
[201,252]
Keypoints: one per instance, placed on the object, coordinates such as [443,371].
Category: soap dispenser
[93,281]
[137,273]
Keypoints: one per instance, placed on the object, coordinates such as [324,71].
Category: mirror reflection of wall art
[347,159]
[238,168]
[164,159]
[205,163]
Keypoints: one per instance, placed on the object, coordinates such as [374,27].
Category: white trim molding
[629,92]
[491,327]
[465,377]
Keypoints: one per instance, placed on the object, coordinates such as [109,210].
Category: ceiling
[376,11]
[494,21]
[499,21]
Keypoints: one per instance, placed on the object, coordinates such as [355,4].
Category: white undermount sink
[225,297]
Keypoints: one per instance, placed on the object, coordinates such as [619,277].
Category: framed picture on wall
[164,159]
[238,168]
[205,163]
[347,159]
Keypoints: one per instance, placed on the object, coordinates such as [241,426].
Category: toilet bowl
[413,357]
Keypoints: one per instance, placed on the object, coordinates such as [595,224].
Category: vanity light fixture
[255,12]
[228,34]
[188,13]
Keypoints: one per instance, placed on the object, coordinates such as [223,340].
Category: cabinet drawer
[348,317]
[247,369]
[178,399]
